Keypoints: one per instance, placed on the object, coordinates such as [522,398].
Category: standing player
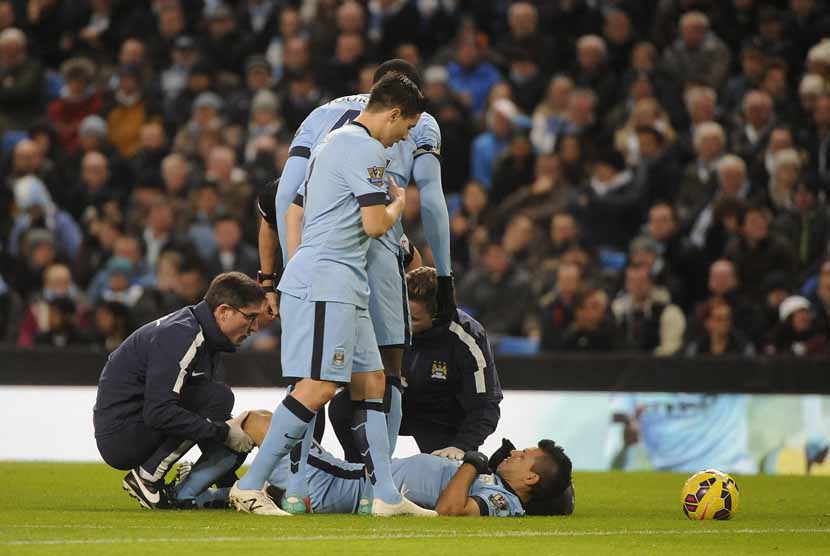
[387,305]
[327,332]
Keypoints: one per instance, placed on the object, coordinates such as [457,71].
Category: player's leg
[321,363]
[369,425]
[340,416]
[296,500]
[218,463]
[389,310]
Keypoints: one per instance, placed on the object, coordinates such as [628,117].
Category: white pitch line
[399,536]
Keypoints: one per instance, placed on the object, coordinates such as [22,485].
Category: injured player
[534,481]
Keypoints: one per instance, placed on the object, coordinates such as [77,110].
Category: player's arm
[455,499]
[377,216]
[294,226]
[426,171]
[267,246]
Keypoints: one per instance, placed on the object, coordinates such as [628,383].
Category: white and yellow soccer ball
[710,494]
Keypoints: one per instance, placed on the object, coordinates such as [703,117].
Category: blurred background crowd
[622,175]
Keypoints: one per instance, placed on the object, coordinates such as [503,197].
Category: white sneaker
[404,507]
[253,502]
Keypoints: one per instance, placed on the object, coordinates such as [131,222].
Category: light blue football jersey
[424,138]
[424,477]
[690,432]
[345,172]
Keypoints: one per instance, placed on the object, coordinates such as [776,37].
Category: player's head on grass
[395,104]
[538,475]
[397,65]
[421,285]
[237,303]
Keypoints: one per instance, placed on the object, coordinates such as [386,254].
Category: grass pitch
[48,508]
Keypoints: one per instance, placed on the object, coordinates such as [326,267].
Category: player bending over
[533,481]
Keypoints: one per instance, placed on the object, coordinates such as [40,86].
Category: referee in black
[158,395]
[451,390]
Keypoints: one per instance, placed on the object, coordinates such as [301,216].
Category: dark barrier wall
[635,373]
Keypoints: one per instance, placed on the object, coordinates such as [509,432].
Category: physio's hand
[450,452]
[238,440]
[477,460]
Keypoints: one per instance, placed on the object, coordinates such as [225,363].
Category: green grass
[50,509]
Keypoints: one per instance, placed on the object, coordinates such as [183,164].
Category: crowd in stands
[622,175]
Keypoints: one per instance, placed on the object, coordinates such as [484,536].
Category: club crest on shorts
[439,370]
[339,358]
[376,175]
[499,501]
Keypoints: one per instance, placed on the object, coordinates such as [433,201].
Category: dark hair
[396,91]
[421,285]
[554,470]
[397,65]
[234,289]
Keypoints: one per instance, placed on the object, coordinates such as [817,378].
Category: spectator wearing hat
[21,82]
[172,79]
[78,100]
[127,109]
[223,43]
[608,209]
[258,77]
[37,210]
[489,145]
[205,116]
[805,225]
[757,253]
[719,335]
[796,333]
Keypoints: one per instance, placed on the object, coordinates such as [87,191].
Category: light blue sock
[372,440]
[213,498]
[393,418]
[214,463]
[288,426]
[297,480]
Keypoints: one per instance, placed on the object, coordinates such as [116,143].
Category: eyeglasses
[250,317]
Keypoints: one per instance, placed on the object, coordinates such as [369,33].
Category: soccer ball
[710,494]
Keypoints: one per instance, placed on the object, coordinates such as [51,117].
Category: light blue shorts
[326,340]
[388,303]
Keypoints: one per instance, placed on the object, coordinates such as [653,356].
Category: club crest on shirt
[376,175]
[339,358]
[439,370]
[499,501]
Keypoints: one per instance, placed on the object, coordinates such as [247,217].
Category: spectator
[817,139]
[719,336]
[468,226]
[127,109]
[762,166]
[173,78]
[78,99]
[490,144]
[579,118]
[785,175]
[470,75]
[552,107]
[757,253]
[231,252]
[258,77]
[223,43]
[753,62]
[593,72]
[21,79]
[820,300]
[147,165]
[646,318]
[723,283]
[524,35]
[698,55]
[752,133]
[497,293]
[112,326]
[646,113]
[37,210]
[513,168]
[95,188]
[61,328]
[546,193]
[10,309]
[57,284]
[656,171]
[796,334]
[258,20]
[392,24]
[557,307]
[591,329]
[806,225]
[159,230]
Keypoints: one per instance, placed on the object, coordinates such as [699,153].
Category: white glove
[238,440]
[450,452]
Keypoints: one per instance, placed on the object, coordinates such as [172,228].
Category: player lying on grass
[533,481]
